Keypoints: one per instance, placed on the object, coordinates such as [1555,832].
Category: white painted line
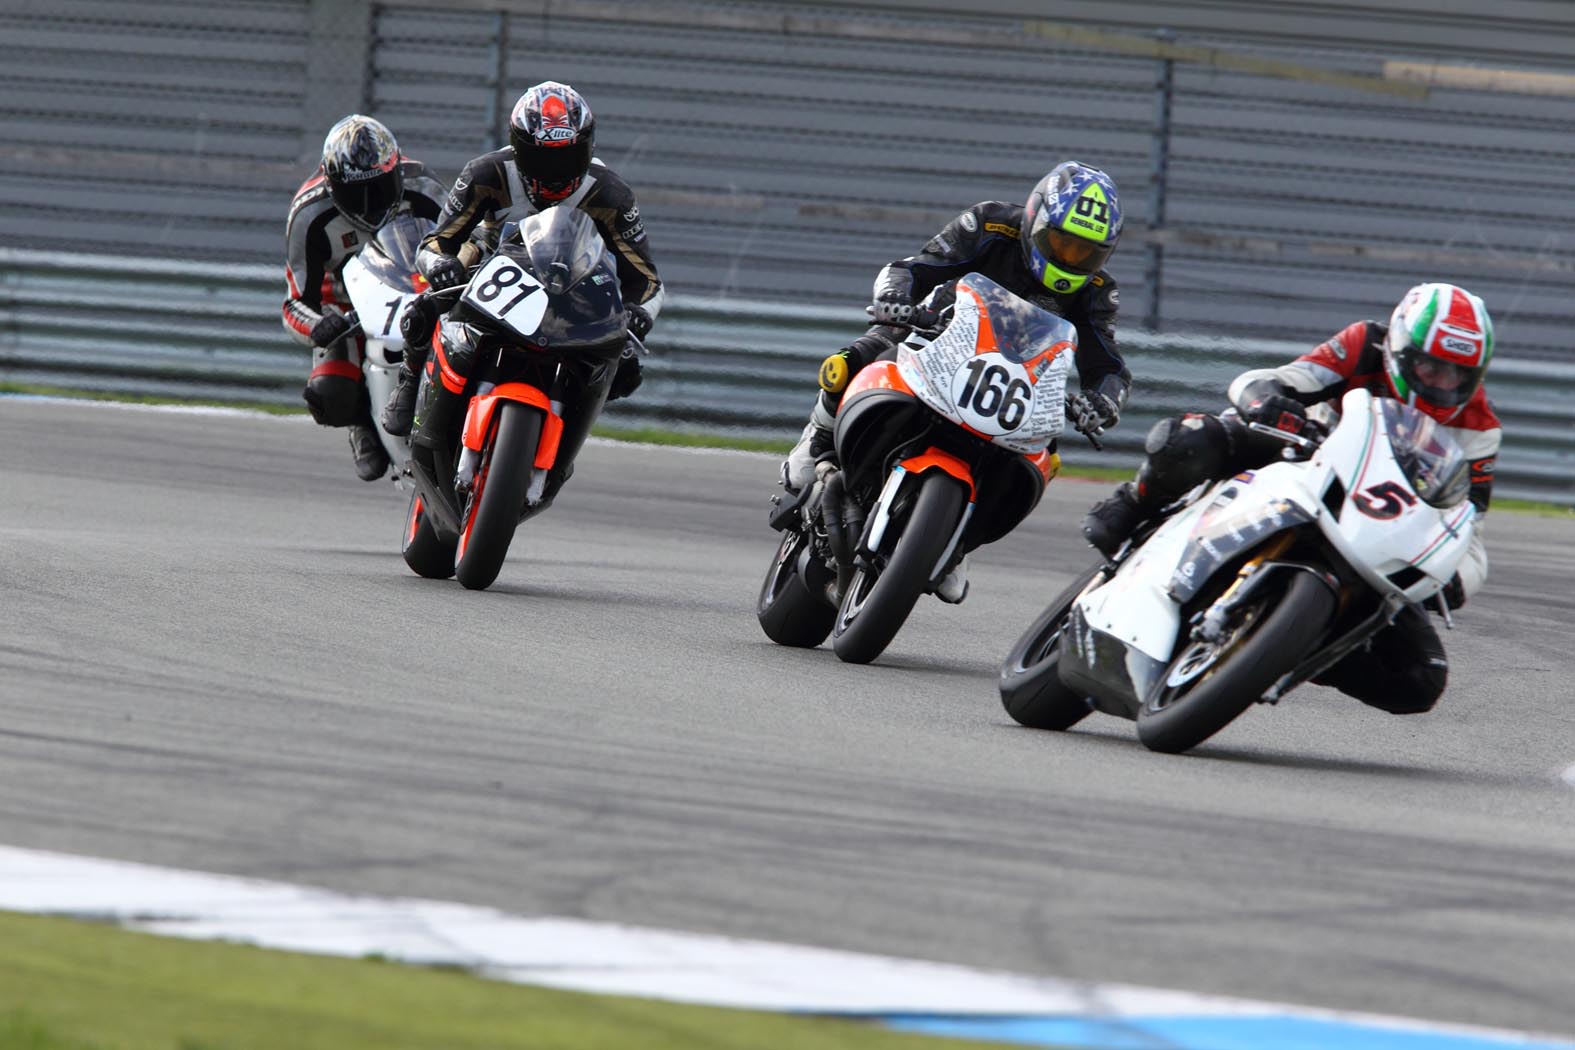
[627,960]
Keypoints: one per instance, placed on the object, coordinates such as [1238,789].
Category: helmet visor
[1440,383]
[554,165]
[1070,252]
[368,202]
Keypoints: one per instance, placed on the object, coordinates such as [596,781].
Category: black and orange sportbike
[543,325]
[942,450]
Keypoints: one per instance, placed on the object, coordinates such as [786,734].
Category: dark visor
[1070,252]
[370,199]
[553,164]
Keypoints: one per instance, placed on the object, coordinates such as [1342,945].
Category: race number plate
[378,306]
[504,291]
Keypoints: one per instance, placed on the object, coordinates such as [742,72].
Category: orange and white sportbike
[1255,584]
[542,325]
[382,280]
[943,450]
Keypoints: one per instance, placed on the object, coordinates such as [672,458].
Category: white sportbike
[1256,583]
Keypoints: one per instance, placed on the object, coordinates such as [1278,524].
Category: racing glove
[417,322]
[891,308]
[445,272]
[329,329]
[630,374]
[1275,410]
[640,322]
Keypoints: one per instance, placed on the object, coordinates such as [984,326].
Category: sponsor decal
[939,246]
[349,240]
[1115,296]
[1335,349]
[969,223]
[600,278]
[1063,285]
[1099,282]
[632,215]
[1246,475]
[1456,345]
[1002,228]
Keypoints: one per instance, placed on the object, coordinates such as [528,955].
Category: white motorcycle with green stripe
[1256,584]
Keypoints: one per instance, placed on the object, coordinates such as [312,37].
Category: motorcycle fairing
[1114,674]
[381,281]
[478,419]
[1027,352]
[1221,535]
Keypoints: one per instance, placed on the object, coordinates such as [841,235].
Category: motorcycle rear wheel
[498,497]
[1207,685]
[789,610]
[426,555]
[874,608]
[1030,680]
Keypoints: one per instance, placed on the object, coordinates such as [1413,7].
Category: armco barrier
[205,331]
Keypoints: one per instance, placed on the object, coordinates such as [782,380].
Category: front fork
[907,475]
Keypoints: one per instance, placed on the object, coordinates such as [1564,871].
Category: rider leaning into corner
[1049,251]
[1432,355]
[547,164]
[362,183]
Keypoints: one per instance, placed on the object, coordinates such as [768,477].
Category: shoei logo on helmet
[1456,345]
[1090,216]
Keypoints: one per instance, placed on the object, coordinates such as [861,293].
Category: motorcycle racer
[1433,354]
[362,183]
[1050,251]
[548,163]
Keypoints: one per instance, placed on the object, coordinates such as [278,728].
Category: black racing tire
[1206,687]
[1030,680]
[498,498]
[426,555]
[874,608]
[789,610]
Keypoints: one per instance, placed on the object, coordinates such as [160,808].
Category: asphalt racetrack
[212,657]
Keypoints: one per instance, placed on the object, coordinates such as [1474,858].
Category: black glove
[1090,410]
[640,322]
[445,272]
[891,308]
[417,322]
[1455,592]
[1277,411]
[329,330]
[630,374]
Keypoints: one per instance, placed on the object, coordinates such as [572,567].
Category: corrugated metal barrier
[209,331]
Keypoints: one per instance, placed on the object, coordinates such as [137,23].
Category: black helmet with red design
[1437,349]
[552,134]
[361,163]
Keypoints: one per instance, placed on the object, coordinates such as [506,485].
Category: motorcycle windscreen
[391,257]
[1431,459]
[1022,330]
[568,256]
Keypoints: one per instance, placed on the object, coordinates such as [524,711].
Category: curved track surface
[212,657]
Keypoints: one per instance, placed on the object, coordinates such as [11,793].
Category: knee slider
[335,401]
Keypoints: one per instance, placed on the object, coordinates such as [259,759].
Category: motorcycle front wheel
[789,610]
[1030,682]
[498,496]
[875,606]
[1208,684]
[426,555]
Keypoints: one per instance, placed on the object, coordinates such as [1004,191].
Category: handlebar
[1078,411]
[1299,441]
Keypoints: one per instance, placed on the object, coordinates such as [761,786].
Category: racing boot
[814,445]
[953,587]
[1109,523]
[400,411]
[371,459]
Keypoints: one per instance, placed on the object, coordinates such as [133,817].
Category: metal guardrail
[212,332]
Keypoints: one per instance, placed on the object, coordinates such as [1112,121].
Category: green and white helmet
[1437,349]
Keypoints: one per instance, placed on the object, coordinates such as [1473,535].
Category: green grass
[67,985]
[36,390]
[685,439]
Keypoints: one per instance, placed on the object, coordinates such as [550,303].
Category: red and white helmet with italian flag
[1437,350]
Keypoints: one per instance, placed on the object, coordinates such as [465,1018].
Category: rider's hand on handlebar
[640,322]
[1277,411]
[329,330]
[889,309]
[445,272]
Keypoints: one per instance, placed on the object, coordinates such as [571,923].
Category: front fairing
[999,368]
[554,287]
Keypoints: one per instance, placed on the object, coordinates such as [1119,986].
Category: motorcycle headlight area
[1433,462]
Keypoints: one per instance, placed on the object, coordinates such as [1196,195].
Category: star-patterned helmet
[552,133]
[1071,225]
[1437,349]
[361,162]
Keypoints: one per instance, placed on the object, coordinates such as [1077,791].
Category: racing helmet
[552,132]
[1437,349]
[361,163]
[1071,224]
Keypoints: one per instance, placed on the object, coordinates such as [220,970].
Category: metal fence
[210,331]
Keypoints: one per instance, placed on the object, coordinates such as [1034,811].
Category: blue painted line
[1280,1032]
